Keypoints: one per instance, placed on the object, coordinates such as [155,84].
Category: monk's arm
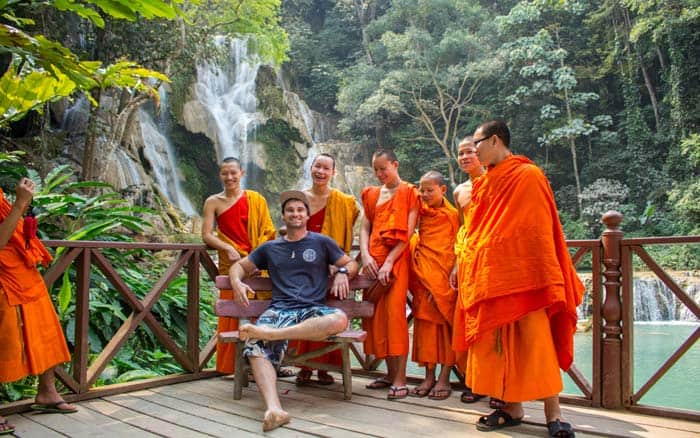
[208,234]
[238,272]
[368,263]
[384,273]
[24,194]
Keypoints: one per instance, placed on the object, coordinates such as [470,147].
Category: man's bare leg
[514,409]
[266,379]
[47,394]
[552,409]
[312,329]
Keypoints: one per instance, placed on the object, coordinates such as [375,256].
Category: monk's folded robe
[31,338]
[245,226]
[516,264]
[387,330]
[335,220]
[432,259]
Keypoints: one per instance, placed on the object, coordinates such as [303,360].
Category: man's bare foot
[252,331]
[275,419]
[53,402]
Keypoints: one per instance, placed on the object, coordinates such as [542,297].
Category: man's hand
[233,255]
[384,274]
[240,292]
[453,278]
[341,286]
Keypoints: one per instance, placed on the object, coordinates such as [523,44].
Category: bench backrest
[230,308]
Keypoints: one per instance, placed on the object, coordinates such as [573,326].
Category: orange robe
[260,229]
[387,330]
[31,338]
[520,289]
[460,261]
[432,259]
[338,220]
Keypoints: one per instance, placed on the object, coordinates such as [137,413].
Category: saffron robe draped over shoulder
[259,230]
[31,338]
[432,259]
[387,330]
[460,261]
[340,214]
[516,258]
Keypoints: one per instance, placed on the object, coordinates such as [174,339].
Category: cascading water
[227,94]
[159,152]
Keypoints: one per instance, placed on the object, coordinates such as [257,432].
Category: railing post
[612,313]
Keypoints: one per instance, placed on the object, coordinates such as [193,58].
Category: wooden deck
[205,408]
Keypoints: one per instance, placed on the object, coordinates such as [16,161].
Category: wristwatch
[343,270]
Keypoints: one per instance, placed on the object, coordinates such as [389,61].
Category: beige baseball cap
[293,194]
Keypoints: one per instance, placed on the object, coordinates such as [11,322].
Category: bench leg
[347,372]
[240,378]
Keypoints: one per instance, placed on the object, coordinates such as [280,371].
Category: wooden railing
[611,384]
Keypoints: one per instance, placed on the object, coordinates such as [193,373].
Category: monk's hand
[240,292]
[24,193]
[384,273]
[453,278]
[370,267]
[341,286]
[233,255]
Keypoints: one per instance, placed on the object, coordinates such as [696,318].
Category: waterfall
[159,152]
[75,117]
[227,93]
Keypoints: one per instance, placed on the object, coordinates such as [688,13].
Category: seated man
[298,264]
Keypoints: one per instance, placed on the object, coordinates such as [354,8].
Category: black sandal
[469,397]
[497,419]
[560,429]
[496,403]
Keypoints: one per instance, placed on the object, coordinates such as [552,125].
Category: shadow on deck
[205,408]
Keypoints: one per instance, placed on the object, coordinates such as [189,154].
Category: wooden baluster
[612,313]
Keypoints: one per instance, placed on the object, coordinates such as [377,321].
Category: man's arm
[238,272]
[23,197]
[341,282]
[368,263]
[208,235]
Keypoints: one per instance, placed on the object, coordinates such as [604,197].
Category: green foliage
[282,158]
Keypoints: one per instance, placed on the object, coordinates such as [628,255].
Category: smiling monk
[389,220]
[243,223]
[521,289]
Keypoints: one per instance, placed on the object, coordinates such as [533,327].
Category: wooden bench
[341,341]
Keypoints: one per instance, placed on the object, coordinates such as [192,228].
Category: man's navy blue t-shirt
[298,270]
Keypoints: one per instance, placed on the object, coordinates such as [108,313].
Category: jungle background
[602,94]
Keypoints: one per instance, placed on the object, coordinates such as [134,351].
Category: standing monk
[333,213]
[520,287]
[432,258]
[470,164]
[243,223]
[31,339]
[389,220]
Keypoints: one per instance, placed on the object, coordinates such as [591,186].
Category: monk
[31,339]
[520,288]
[243,223]
[333,213]
[469,163]
[432,258]
[389,220]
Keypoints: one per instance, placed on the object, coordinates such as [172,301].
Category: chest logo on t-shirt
[309,255]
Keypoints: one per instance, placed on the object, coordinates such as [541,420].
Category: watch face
[343,270]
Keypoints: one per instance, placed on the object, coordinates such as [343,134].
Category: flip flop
[440,394]
[285,372]
[52,408]
[496,403]
[469,397]
[560,429]
[497,419]
[397,392]
[380,383]
[325,379]
[303,378]
[420,392]
[9,430]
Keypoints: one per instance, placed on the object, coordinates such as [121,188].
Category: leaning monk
[31,339]
[432,258]
[520,287]
[389,220]
[243,223]
[333,213]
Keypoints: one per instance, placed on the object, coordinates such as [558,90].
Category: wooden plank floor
[205,408]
